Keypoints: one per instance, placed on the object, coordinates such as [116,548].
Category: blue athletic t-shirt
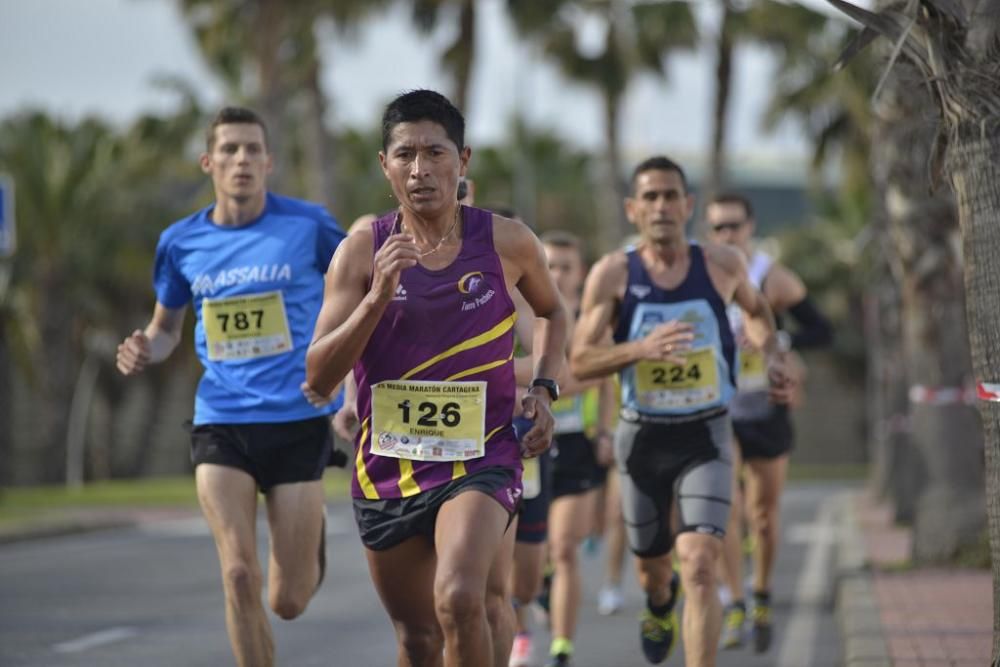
[256,291]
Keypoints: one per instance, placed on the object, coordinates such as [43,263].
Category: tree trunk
[465,55]
[715,178]
[269,32]
[58,367]
[6,402]
[944,432]
[974,170]
[321,171]
[618,184]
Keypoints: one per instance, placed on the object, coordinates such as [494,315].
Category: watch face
[550,385]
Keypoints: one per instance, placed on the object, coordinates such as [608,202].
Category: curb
[856,608]
[44,530]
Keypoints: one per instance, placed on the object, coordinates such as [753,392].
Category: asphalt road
[150,596]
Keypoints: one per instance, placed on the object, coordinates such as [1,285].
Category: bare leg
[614,533]
[295,516]
[702,622]
[499,610]
[404,579]
[228,499]
[765,482]
[570,519]
[732,548]
[468,535]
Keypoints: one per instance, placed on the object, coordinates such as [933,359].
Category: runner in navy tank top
[418,304]
[664,302]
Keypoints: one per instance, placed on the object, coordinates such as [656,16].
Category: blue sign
[8,230]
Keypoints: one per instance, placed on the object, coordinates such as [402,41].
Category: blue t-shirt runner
[256,290]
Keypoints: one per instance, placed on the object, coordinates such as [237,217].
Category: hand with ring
[667,342]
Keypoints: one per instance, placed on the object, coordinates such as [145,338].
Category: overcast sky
[78,57]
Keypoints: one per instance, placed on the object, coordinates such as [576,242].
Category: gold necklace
[442,239]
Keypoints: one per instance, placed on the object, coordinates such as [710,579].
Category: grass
[45,503]
[20,505]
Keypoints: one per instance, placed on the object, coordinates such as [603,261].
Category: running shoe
[609,600]
[760,628]
[732,627]
[523,652]
[561,652]
[560,660]
[658,634]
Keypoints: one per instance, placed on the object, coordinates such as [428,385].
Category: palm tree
[638,37]
[267,55]
[953,46]
[459,56]
[790,29]
[87,208]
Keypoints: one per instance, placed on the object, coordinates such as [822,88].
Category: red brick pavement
[931,616]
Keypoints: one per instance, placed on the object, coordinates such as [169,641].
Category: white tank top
[751,401]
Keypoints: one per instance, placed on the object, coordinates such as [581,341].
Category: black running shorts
[766,438]
[278,453]
[574,465]
[387,522]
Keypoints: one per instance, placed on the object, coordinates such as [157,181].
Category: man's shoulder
[724,256]
[615,261]
[179,228]
[284,205]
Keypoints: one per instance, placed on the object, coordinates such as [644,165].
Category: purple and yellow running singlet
[436,379]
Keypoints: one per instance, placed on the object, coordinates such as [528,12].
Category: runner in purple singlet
[419,306]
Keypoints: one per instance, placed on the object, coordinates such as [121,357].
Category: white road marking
[811,587]
[95,639]
[811,533]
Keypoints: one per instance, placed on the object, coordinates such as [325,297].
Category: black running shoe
[658,634]
[560,660]
[760,628]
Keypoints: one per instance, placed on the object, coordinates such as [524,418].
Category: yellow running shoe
[760,628]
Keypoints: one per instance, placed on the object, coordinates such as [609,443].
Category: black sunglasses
[727,226]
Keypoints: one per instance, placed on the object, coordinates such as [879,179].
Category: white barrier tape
[924,395]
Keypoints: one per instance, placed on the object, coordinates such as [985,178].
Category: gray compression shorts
[686,465]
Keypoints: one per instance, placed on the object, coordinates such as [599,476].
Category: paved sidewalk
[913,617]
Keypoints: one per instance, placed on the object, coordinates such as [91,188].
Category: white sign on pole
[8,230]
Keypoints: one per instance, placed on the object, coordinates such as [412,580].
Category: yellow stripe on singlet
[458,470]
[359,462]
[479,369]
[500,329]
[490,434]
[407,485]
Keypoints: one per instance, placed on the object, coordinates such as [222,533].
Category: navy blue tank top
[707,380]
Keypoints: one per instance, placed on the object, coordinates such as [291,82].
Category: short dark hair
[232,116]
[562,239]
[733,198]
[658,163]
[422,104]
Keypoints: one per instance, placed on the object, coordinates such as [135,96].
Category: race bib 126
[429,421]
